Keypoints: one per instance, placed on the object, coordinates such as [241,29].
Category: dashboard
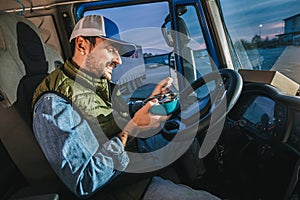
[261,115]
[262,111]
[261,140]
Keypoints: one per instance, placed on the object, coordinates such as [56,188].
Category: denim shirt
[72,149]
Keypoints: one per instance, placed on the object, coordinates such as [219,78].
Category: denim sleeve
[72,149]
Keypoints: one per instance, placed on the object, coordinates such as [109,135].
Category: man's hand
[145,122]
[162,87]
[143,118]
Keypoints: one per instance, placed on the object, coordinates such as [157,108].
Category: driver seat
[25,61]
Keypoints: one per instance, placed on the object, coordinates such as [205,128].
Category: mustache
[111,64]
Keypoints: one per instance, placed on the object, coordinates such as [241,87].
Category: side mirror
[167,32]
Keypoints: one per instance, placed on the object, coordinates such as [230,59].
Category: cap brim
[125,49]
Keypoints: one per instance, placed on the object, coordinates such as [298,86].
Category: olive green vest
[88,95]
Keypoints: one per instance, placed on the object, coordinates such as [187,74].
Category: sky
[132,18]
[244,19]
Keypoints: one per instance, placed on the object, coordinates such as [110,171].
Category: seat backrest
[24,61]
[31,52]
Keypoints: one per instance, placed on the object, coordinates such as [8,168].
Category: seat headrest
[31,50]
[22,52]
[8,31]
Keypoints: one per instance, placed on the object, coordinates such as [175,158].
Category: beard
[94,65]
[107,76]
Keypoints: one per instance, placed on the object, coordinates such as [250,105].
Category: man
[73,118]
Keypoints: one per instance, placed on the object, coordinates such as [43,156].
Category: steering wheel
[198,114]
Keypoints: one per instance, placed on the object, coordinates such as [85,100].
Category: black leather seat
[23,64]
[32,54]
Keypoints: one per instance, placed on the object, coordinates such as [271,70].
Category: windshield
[265,34]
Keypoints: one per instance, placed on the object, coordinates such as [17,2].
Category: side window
[195,59]
[141,25]
[195,48]
[156,57]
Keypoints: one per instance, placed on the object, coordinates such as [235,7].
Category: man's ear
[81,45]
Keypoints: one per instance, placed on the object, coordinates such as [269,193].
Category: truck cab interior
[238,97]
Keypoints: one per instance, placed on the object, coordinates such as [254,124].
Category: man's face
[102,59]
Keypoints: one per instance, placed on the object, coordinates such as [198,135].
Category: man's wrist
[131,128]
[123,137]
